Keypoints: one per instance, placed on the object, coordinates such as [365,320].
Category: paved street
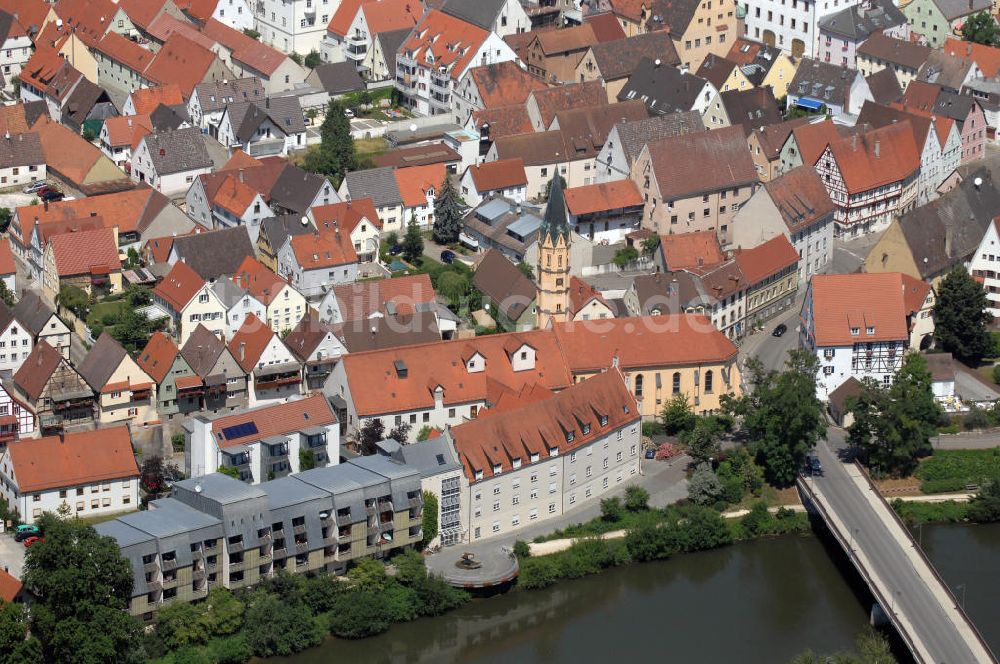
[848,256]
[11,555]
[769,349]
[915,597]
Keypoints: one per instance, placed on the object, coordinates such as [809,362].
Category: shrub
[704,488]
[177,442]
[538,573]
[180,626]
[703,528]
[232,650]
[358,614]
[636,498]
[985,507]
[757,521]
[996,372]
[275,628]
[321,592]
[522,549]
[435,596]
[651,543]
[611,509]
[976,419]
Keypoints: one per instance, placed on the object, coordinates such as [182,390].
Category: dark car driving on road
[780,330]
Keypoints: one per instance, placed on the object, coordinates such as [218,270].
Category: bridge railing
[927,561]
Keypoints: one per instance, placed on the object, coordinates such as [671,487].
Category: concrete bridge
[906,586]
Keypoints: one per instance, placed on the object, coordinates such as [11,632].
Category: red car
[32,540]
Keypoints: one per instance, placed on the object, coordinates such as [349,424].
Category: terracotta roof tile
[837,308]
[403,295]
[323,250]
[565,97]
[504,83]
[146,100]
[391,15]
[987,57]
[89,19]
[341,21]
[813,138]
[37,369]
[504,120]
[452,41]
[10,587]
[276,420]
[415,182]
[250,341]
[127,129]
[602,197]
[606,27]
[179,286]
[691,251]
[619,58]
[181,61]
[921,95]
[73,459]
[166,25]
[125,52]
[576,38]
[86,251]
[895,51]
[876,158]
[346,215]
[713,160]
[7,264]
[581,293]
[801,198]
[142,12]
[255,277]
[914,293]
[766,259]
[497,175]
[158,356]
[234,196]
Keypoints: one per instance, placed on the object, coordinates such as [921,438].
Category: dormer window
[479,474]
[497,469]
[534,457]
[516,463]
[855,331]
[570,436]
[604,420]
[553,451]
[626,409]
[870,330]
[586,429]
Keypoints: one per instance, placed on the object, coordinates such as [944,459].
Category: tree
[526,270]
[133,260]
[392,239]
[424,433]
[223,613]
[132,330]
[704,487]
[548,185]
[611,509]
[275,628]
[677,415]
[89,135]
[180,625]
[636,498]
[13,629]
[154,474]
[370,433]
[650,245]
[703,441]
[230,470]
[981,28]
[368,576]
[251,33]
[893,426]
[449,210]
[413,242]
[782,415]
[307,459]
[313,60]
[401,432]
[961,319]
[295,57]
[358,615]
[625,256]
[429,518]
[6,295]
[75,299]
[985,507]
[5,216]
[452,286]
[335,155]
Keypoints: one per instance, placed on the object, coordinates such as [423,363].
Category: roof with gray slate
[214,253]
[288,491]
[171,517]
[636,133]
[664,89]
[124,534]
[953,9]
[477,12]
[228,292]
[295,189]
[285,113]
[336,78]
[379,184]
[390,42]
[21,150]
[102,361]
[32,312]
[430,457]
[178,151]
[221,488]
[277,229]
[214,95]
[856,23]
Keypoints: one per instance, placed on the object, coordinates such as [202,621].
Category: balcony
[299,529]
[280,552]
[358,38]
[344,519]
[154,586]
[301,547]
[356,52]
[416,501]
[151,567]
[236,547]
[169,564]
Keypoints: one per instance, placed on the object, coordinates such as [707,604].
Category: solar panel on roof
[240,430]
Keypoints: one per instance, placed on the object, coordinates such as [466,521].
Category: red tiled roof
[358,301]
[146,100]
[877,158]
[234,195]
[504,120]
[812,140]
[86,251]
[568,39]
[29,12]
[276,420]
[987,57]
[255,277]
[37,368]
[127,129]
[181,61]
[158,356]
[504,83]
[497,175]
[767,259]
[691,251]
[179,286]
[250,341]
[141,12]
[921,95]
[322,250]
[602,197]
[200,10]
[10,587]
[346,214]
[122,210]
[41,67]
[187,382]
[125,52]
[7,264]
[389,15]
[581,293]
[88,19]
[565,421]
[452,41]
[73,459]
[415,181]
[606,27]
[341,21]
[914,293]
[247,50]
[836,308]
[166,25]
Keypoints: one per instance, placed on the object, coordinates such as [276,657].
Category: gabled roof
[499,279]
[142,12]
[33,312]
[68,155]
[895,51]
[884,86]
[953,9]
[125,210]
[321,251]
[382,332]
[342,18]
[751,109]
[378,184]
[987,57]
[619,58]
[482,13]
[958,107]
[498,175]
[127,129]
[179,286]
[696,251]
[564,97]
[664,89]
[157,358]
[391,15]
[822,81]
[296,189]
[813,138]
[565,40]
[921,95]
[214,253]
[415,182]
[307,335]
[21,150]
[250,342]
[336,78]
[773,137]
[634,134]
[602,197]
[716,70]
[501,121]
[801,198]
[606,27]
[214,95]
[88,19]
[86,252]
[7,264]
[202,350]
[102,360]
[73,459]
[146,100]
[450,41]
[948,71]
[177,151]
[399,296]
[766,259]
[253,276]
[182,61]
[836,308]
[285,113]
[37,369]
[713,160]
[581,293]
[504,83]
[125,52]
[876,158]
[276,420]
[247,50]
[275,230]
[857,22]
[345,215]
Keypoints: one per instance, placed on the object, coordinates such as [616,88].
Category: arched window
[677,382]
[638,386]
[708,381]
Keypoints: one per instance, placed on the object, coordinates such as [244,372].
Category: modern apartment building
[215,531]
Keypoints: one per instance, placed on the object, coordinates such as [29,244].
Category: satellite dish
[978,182]
[657,62]
[413,127]
[197,488]
[305,221]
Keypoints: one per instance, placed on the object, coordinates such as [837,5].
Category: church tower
[553,259]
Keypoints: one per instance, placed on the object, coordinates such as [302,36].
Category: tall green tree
[893,426]
[960,317]
[429,520]
[413,242]
[981,28]
[335,155]
[6,295]
[703,441]
[677,415]
[371,432]
[782,415]
[449,209]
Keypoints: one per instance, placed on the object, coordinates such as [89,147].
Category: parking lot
[11,554]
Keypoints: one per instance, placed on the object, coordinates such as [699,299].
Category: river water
[760,602]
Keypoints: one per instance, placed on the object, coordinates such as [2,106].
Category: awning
[215,379]
[272,369]
[809,103]
[120,386]
[188,382]
[141,387]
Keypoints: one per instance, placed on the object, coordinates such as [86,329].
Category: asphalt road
[910,595]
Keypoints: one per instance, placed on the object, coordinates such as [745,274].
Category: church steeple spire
[553,269]
[555,223]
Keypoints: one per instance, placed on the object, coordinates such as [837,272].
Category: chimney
[878,146]
[854,142]
[46,204]
[241,175]
[243,350]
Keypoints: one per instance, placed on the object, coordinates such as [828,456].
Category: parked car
[51,195]
[348,113]
[780,330]
[23,532]
[815,467]
[31,541]
[448,256]
[651,453]
[396,250]
[35,186]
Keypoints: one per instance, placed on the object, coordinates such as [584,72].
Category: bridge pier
[878,617]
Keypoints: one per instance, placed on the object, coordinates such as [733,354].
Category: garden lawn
[105,309]
[953,470]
